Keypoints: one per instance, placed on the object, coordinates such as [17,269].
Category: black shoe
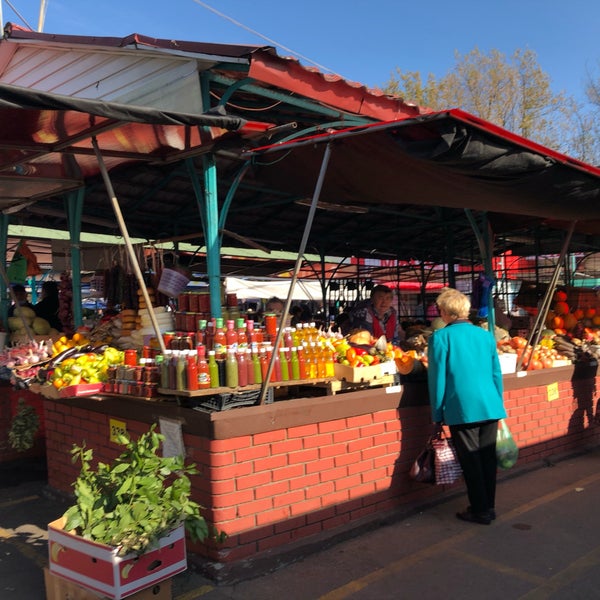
[480,518]
[492,512]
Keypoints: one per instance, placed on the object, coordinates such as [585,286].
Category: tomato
[351,354]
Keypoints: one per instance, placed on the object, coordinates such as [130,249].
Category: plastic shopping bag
[507,450]
[447,467]
[423,469]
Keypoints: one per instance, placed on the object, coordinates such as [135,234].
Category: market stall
[306,457]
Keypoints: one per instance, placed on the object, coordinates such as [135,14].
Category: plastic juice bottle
[203,369]
[298,335]
[220,340]
[321,365]
[201,333]
[164,370]
[250,332]
[211,327]
[213,369]
[249,366]
[276,372]
[264,363]
[329,361]
[287,337]
[242,334]
[242,368]
[180,370]
[294,364]
[283,365]
[192,371]
[302,362]
[314,361]
[256,364]
[231,335]
[231,369]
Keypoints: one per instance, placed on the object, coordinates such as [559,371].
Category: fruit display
[549,353]
[360,349]
[82,364]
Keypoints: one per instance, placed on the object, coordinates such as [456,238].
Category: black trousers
[475,445]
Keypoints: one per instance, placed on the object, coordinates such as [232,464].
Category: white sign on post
[173,442]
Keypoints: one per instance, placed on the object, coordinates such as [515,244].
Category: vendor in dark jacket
[47,307]
[377,315]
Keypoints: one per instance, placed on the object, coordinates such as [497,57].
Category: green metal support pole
[213,245]
[484,241]
[74,202]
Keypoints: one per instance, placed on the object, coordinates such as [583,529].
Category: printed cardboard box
[58,588]
[98,568]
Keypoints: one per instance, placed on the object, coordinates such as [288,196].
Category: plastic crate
[227,400]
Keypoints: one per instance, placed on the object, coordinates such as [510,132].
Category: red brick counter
[282,475]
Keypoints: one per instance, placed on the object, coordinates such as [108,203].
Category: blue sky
[360,40]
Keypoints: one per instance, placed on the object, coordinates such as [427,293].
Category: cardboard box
[97,567]
[81,389]
[364,374]
[58,588]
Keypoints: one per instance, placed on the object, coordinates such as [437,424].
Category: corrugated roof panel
[118,77]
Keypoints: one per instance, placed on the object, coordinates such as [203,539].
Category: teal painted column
[211,231]
[74,202]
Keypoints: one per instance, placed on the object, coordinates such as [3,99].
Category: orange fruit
[560,296]
[561,308]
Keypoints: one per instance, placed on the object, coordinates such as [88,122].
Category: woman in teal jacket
[465,391]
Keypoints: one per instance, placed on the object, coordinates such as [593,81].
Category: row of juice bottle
[198,369]
[220,335]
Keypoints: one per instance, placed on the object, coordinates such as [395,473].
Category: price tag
[552,391]
[117,428]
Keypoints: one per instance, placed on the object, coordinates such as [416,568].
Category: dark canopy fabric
[45,139]
[18,97]
[447,159]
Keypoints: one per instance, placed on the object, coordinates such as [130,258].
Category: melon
[24,311]
[40,326]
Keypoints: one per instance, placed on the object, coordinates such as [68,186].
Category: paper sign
[173,442]
[117,428]
[552,391]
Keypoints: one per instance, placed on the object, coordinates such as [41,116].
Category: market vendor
[377,315]
[47,307]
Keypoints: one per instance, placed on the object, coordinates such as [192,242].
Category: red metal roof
[266,67]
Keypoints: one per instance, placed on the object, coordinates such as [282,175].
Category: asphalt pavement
[545,544]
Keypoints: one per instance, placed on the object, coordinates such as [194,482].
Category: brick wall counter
[284,475]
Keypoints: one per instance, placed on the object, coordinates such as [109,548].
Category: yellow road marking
[492,565]
[361,583]
[191,595]
[576,570]
[19,501]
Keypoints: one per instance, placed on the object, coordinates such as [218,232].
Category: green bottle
[213,370]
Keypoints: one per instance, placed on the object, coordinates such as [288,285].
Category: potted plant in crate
[126,530]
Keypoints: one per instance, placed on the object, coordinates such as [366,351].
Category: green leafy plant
[23,427]
[136,500]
